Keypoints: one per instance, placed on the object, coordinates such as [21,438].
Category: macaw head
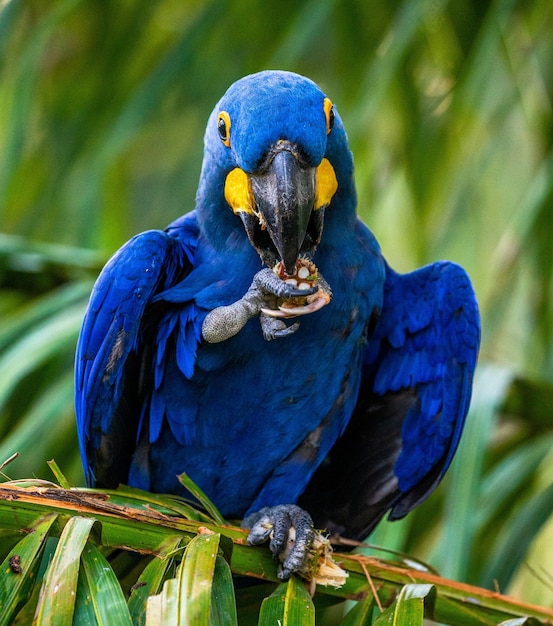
[271,148]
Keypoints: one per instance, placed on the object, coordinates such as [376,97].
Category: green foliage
[178,571]
[409,606]
[448,107]
[290,603]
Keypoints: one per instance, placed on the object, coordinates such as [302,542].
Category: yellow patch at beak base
[238,191]
[239,195]
[325,184]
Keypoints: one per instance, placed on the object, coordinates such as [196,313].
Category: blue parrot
[262,344]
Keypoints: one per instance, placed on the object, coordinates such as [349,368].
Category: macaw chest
[257,406]
[253,410]
[285,387]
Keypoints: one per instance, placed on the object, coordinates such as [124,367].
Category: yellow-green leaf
[409,607]
[201,497]
[289,605]
[163,609]
[151,580]
[202,592]
[19,569]
[195,579]
[106,595]
[223,601]
[59,588]
[360,614]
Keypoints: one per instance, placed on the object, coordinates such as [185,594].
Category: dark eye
[223,127]
[329,114]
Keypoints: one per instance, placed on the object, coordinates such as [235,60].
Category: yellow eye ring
[329,114]
[223,127]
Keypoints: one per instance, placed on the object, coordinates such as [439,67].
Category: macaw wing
[412,405]
[110,356]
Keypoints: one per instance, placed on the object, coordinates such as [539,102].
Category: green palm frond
[62,552]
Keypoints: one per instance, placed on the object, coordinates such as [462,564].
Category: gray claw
[274,328]
[291,534]
[269,282]
[287,330]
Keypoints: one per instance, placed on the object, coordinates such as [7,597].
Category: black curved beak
[284,192]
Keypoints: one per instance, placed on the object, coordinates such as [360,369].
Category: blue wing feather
[414,397]
[429,338]
[111,338]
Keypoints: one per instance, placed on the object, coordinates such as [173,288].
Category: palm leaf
[23,561]
[409,606]
[289,604]
[59,586]
[80,586]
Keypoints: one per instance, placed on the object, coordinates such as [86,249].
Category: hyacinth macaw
[262,344]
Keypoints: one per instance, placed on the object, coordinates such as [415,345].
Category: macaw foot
[287,298]
[274,300]
[290,532]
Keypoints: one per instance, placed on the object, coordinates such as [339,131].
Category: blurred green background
[448,107]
